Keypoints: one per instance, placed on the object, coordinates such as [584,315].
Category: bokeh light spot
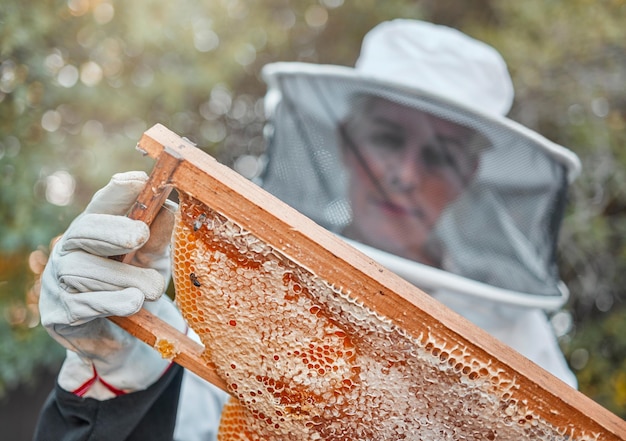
[93,129]
[332,3]
[51,121]
[78,7]
[54,62]
[245,55]
[286,19]
[90,73]
[68,76]
[579,358]
[104,13]
[11,146]
[221,100]
[213,131]
[248,166]
[60,187]
[562,323]
[205,40]
[316,16]
[143,76]
[134,128]
[7,76]
[600,107]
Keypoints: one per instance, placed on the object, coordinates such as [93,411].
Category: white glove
[81,285]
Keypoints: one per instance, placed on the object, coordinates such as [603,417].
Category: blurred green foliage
[80,80]
[599,353]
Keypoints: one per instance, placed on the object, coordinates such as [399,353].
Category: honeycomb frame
[521,394]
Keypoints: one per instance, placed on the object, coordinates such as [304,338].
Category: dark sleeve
[149,414]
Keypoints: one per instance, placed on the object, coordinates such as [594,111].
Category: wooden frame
[182,166]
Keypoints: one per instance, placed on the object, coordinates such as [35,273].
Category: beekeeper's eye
[435,156]
[387,140]
[444,152]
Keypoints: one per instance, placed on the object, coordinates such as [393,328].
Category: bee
[198,222]
[194,280]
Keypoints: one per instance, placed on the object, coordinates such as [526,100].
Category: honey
[304,360]
[166,348]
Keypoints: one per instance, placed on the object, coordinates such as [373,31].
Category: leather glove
[81,286]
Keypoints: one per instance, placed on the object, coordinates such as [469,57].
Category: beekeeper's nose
[408,172]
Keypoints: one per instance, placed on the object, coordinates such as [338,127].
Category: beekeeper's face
[405,167]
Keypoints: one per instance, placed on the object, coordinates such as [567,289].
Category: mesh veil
[501,232]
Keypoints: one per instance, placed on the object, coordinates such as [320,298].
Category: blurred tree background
[80,80]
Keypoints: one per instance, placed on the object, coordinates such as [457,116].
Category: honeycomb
[166,348]
[303,360]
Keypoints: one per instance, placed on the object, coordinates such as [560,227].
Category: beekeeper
[409,156]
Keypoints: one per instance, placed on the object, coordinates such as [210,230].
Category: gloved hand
[81,285]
